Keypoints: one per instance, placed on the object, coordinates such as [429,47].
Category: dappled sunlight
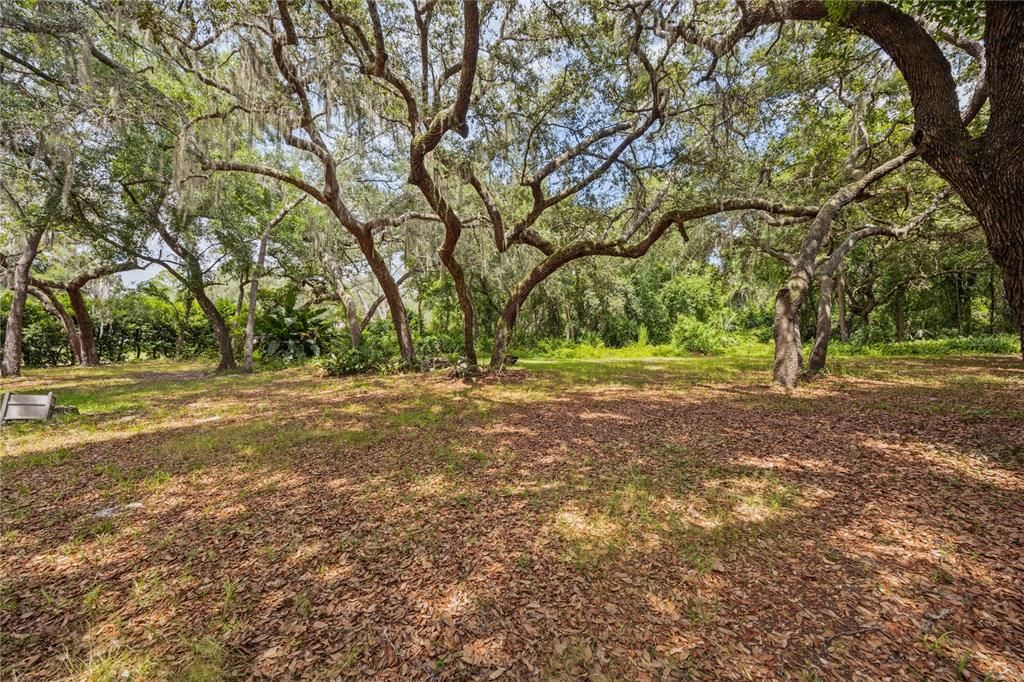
[433,486]
[456,602]
[590,535]
[715,526]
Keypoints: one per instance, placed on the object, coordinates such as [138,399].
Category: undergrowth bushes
[1004,344]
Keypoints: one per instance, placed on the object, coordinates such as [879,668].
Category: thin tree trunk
[11,363]
[844,327]
[241,296]
[865,314]
[254,286]
[90,356]
[823,332]
[900,314]
[991,302]
[355,327]
[957,311]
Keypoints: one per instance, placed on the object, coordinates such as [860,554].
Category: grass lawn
[642,518]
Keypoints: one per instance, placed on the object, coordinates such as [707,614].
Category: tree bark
[90,356]
[790,297]
[900,313]
[844,327]
[220,330]
[355,327]
[823,332]
[786,331]
[11,363]
[393,296]
[453,117]
[254,286]
[985,171]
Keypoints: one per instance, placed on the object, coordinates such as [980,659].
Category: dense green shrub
[292,332]
[378,352]
[694,336]
[44,341]
[963,345]
[695,294]
[344,361]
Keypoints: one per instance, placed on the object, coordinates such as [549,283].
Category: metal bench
[26,407]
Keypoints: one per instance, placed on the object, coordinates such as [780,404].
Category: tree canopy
[500,175]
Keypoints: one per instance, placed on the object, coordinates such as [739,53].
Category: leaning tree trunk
[510,311]
[392,295]
[53,306]
[220,330]
[90,356]
[11,363]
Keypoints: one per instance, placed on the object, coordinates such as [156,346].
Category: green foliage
[647,309]
[961,17]
[44,342]
[377,352]
[290,331]
[695,293]
[1005,344]
[696,336]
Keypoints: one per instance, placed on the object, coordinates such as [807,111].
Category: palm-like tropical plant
[292,332]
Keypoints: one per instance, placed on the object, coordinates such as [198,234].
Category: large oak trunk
[1005,232]
[90,356]
[786,328]
[220,330]
[11,364]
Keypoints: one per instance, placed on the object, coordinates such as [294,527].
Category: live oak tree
[983,167]
[468,158]
[271,85]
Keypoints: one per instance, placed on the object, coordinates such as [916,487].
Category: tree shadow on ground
[418,528]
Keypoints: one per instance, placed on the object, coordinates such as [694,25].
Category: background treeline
[393,185]
[680,307]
